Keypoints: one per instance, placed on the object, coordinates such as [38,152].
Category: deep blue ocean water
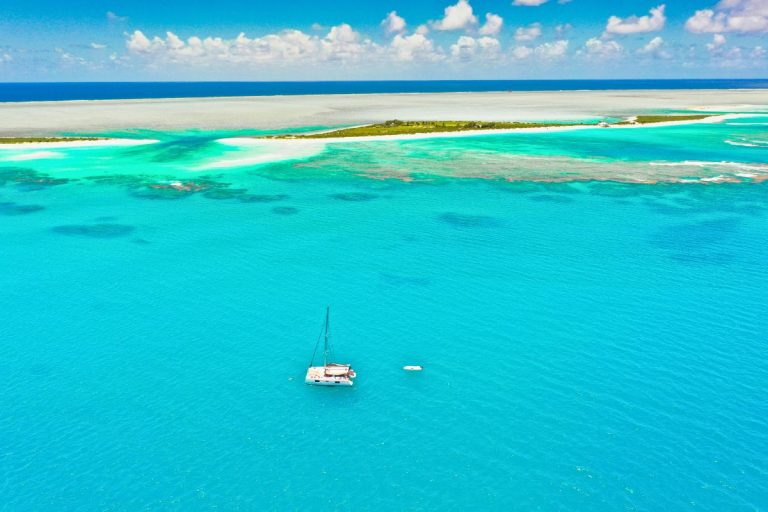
[52,91]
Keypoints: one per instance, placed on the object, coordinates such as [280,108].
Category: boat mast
[325,349]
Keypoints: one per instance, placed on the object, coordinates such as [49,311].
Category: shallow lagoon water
[586,345]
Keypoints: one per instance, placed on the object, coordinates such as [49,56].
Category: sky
[83,40]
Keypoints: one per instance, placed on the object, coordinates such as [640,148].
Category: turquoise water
[591,345]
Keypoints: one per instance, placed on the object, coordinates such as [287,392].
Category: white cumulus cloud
[655,48]
[492,26]
[637,24]
[546,51]
[393,22]
[718,40]
[553,50]
[529,33]
[458,16]
[111,16]
[467,48]
[529,3]
[416,47]
[600,48]
[706,20]
[521,52]
[341,43]
[745,16]
[138,42]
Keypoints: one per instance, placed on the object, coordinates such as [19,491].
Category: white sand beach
[76,144]
[260,151]
[273,112]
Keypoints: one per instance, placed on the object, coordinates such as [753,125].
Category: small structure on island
[603,124]
[330,374]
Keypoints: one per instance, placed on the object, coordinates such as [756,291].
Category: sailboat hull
[323,382]
[318,376]
[330,374]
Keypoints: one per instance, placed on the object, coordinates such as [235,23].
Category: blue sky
[395,39]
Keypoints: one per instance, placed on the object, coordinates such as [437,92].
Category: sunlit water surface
[590,346]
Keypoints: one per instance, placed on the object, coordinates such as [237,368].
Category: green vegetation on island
[27,140]
[398,127]
[665,119]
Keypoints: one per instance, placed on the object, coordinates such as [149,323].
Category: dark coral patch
[261,198]
[42,184]
[172,189]
[119,179]
[694,203]
[28,179]
[518,187]
[706,241]
[154,187]
[561,188]
[616,189]
[169,188]
[551,198]
[460,220]
[167,193]
[354,197]
[19,209]
[285,210]
[224,193]
[103,230]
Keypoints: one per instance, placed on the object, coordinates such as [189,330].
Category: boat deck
[318,375]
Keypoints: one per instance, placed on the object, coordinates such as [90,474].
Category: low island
[62,142]
[398,127]
[663,119]
[45,140]
[395,128]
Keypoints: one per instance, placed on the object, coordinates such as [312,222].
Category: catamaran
[330,374]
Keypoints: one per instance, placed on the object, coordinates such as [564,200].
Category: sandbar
[285,112]
[77,144]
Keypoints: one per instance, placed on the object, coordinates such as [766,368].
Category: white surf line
[77,144]
[704,163]
[748,144]
[34,155]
